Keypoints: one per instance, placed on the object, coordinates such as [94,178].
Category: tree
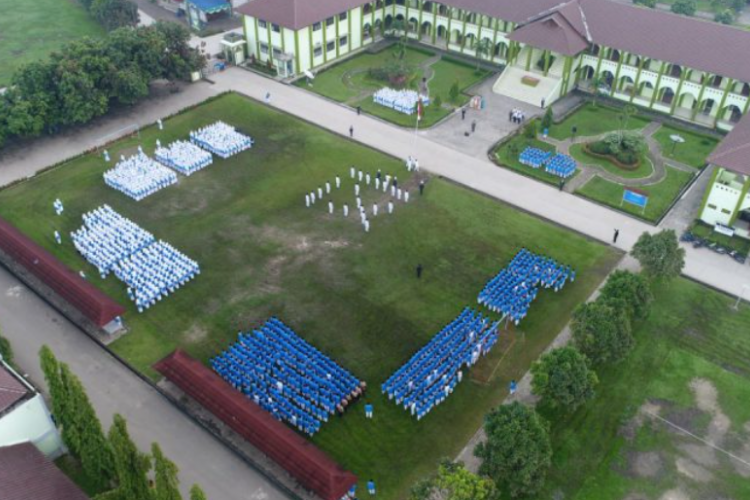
[483,48]
[531,129]
[6,351]
[632,289]
[437,102]
[725,16]
[685,7]
[113,14]
[602,332]
[517,452]
[660,254]
[453,482]
[132,466]
[454,92]
[57,383]
[547,119]
[167,486]
[562,378]
[196,493]
[651,4]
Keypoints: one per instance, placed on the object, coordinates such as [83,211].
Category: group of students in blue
[512,290]
[287,377]
[561,165]
[432,374]
[352,493]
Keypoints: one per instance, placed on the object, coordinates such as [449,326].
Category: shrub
[454,93]
[651,4]
[531,129]
[685,7]
[437,102]
[547,119]
[724,17]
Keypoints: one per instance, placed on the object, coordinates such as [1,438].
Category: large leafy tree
[660,254]
[602,331]
[632,289]
[685,7]
[517,452]
[132,466]
[562,378]
[113,14]
[453,482]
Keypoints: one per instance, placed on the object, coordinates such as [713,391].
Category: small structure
[233,45]
[24,417]
[726,204]
[201,12]
[26,474]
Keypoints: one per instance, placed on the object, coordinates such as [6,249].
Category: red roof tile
[26,474]
[11,390]
[553,32]
[734,151]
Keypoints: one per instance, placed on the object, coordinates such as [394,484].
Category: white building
[24,417]
[727,199]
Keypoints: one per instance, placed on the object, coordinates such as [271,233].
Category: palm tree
[483,48]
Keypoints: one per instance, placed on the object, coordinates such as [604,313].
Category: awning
[211,6]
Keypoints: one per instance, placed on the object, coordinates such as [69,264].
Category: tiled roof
[687,41]
[553,32]
[26,474]
[734,151]
[11,390]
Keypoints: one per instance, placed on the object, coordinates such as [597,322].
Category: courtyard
[662,173]
[352,82]
[31,30]
[349,293]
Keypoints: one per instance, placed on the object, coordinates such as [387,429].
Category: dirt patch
[690,419]
[645,464]
[692,470]
[195,333]
[701,454]
[743,453]
[272,275]
[707,399]
[645,412]
[674,494]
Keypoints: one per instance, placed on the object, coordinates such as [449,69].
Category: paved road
[29,323]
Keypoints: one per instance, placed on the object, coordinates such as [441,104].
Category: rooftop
[12,390]
[733,153]
[26,474]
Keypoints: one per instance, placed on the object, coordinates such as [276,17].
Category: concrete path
[30,323]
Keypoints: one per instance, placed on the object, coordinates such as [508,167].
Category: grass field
[661,194]
[349,80]
[690,367]
[30,30]
[692,152]
[645,168]
[594,120]
[352,295]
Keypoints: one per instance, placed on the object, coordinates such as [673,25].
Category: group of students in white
[221,139]
[403,101]
[378,181]
[140,176]
[152,269]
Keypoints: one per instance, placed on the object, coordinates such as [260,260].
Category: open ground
[672,420]
[29,31]
[351,294]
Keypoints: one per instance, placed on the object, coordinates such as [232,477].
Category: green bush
[454,93]
[651,4]
[438,102]
[530,130]
[685,7]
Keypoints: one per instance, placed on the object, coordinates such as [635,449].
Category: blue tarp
[211,6]
[636,198]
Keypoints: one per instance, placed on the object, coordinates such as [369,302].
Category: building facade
[24,417]
[651,62]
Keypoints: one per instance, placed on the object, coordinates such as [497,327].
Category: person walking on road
[351,131]
[474,126]
[617,235]
[463,113]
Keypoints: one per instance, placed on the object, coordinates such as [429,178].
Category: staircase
[510,84]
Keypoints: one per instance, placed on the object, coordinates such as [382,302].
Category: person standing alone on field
[419,271]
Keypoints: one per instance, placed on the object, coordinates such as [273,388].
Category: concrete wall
[31,422]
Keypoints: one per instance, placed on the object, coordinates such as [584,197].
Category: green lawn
[331,82]
[594,120]
[691,333]
[506,156]
[661,194]
[30,30]
[692,152]
[346,81]
[351,294]
[645,168]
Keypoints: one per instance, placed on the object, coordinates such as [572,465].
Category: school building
[688,68]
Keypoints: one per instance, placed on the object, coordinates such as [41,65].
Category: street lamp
[676,139]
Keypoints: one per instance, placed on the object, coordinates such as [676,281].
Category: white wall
[31,422]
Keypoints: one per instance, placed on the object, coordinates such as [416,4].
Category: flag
[420,110]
